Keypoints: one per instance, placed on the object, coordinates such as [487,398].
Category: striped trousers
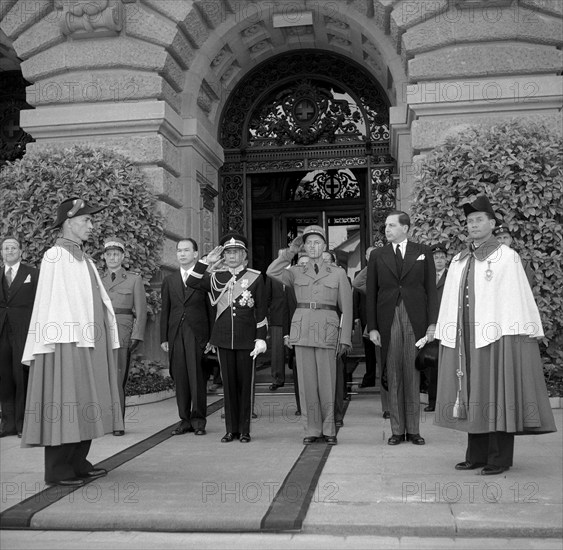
[402,378]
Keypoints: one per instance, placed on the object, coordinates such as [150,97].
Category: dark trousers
[191,387]
[293,367]
[67,461]
[277,365]
[431,374]
[369,351]
[13,383]
[238,379]
[494,449]
[340,392]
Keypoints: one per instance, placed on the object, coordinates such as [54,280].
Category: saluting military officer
[129,300]
[317,333]
[240,328]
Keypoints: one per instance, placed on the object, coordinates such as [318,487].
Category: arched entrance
[306,140]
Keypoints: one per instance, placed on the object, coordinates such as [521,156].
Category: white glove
[422,342]
[259,347]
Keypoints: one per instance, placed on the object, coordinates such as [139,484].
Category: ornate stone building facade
[175,83]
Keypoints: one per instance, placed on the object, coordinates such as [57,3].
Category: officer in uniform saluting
[129,301]
[318,332]
[240,328]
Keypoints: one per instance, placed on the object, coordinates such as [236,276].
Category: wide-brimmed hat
[70,208]
[234,240]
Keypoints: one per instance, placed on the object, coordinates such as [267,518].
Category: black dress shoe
[182,429]
[331,440]
[297,413]
[466,465]
[73,482]
[386,414]
[245,438]
[490,470]
[118,432]
[395,439]
[309,440]
[228,437]
[19,435]
[416,439]
[254,415]
[95,473]
[339,423]
[200,431]
[274,387]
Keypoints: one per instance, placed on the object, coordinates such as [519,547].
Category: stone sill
[132,400]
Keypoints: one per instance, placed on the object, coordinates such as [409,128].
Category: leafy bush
[518,166]
[147,376]
[33,187]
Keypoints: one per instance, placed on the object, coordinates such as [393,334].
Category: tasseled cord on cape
[460,409]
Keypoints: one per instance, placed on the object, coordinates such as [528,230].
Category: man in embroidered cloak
[73,392]
[490,381]
[240,328]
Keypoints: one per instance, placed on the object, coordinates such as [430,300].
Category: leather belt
[122,311]
[316,305]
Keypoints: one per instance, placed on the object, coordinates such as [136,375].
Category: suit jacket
[319,328]
[183,308]
[127,292]
[16,304]
[440,286]
[416,286]
[243,321]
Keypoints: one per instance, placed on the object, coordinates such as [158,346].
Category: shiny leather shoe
[416,439]
[19,435]
[489,470]
[430,408]
[331,440]
[73,482]
[274,387]
[466,465]
[200,431]
[395,439]
[245,438]
[95,473]
[181,429]
[228,437]
[386,414]
[297,413]
[309,440]
[118,432]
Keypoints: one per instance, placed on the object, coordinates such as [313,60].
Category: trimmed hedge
[33,187]
[518,166]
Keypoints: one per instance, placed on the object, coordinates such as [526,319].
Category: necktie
[112,277]
[9,276]
[437,278]
[399,259]
[316,268]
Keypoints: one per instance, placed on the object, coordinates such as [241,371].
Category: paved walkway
[362,486]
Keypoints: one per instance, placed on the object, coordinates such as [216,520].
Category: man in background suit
[430,373]
[129,300]
[184,335]
[402,307]
[17,293]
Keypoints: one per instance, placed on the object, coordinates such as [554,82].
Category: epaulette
[253,270]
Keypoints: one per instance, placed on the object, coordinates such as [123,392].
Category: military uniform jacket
[129,301]
[319,328]
[240,302]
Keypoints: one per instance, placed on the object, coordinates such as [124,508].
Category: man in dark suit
[402,308]
[184,334]
[277,313]
[240,328]
[430,373]
[17,293]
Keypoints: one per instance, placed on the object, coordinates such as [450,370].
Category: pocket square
[27,279]
[421,257]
